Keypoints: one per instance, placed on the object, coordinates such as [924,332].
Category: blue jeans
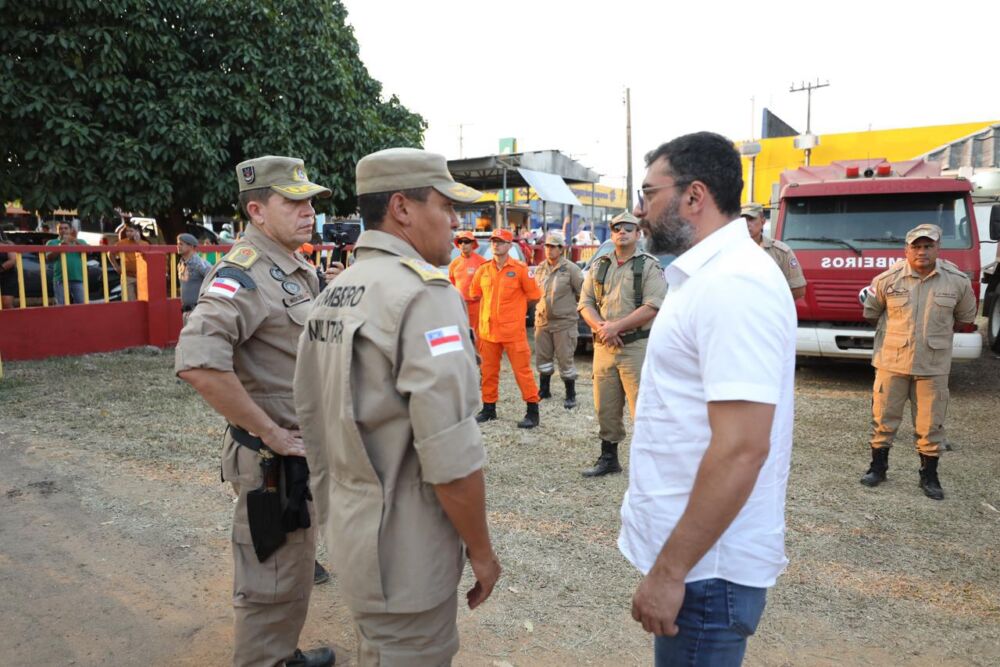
[75,291]
[715,620]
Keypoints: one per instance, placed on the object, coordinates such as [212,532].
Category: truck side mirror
[995,222]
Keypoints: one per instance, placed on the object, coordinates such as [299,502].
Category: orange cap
[465,234]
[503,235]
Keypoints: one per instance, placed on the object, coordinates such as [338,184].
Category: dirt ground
[114,530]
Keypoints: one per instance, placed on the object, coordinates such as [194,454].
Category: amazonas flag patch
[227,287]
[444,340]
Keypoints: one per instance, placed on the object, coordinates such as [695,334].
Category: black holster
[280,505]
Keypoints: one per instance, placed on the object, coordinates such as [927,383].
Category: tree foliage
[148,105]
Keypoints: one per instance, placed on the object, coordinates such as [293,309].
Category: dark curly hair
[709,158]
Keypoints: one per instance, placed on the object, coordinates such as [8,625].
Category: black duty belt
[245,438]
[187,309]
[634,336]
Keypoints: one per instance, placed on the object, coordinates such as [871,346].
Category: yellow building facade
[780,154]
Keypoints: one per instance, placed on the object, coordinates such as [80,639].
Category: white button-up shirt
[726,332]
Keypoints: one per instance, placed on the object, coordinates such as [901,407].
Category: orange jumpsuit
[460,273]
[505,294]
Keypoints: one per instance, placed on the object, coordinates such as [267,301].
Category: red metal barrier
[151,317]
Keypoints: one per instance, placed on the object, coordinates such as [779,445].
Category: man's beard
[670,234]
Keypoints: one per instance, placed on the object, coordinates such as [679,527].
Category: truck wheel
[993,323]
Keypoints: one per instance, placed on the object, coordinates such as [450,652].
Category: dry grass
[881,576]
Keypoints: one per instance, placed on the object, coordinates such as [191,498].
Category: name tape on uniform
[444,340]
[227,287]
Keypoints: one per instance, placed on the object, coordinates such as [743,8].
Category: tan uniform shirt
[619,290]
[387,385]
[786,260]
[916,317]
[561,286]
[252,330]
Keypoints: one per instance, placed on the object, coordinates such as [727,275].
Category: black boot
[530,417]
[607,463]
[929,479]
[320,575]
[317,657]
[488,413]
[570,401]
[876,471]
[544,382]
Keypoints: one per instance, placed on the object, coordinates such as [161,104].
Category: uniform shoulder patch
[239,275]
[243,256]
[427,272]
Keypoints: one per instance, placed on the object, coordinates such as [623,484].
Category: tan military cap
[624,217]
[933,232]
[555,238]
[285,175]
[753,209]
[407,168]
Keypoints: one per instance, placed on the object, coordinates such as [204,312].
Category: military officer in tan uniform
[915,306]
[753,213]
[238,350]
[560,282]
[621,294]
[386,384]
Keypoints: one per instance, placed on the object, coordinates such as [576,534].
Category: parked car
[585,339]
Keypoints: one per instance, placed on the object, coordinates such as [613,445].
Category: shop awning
[550,187]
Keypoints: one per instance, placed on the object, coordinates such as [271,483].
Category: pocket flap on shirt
[945,300]
[939,342]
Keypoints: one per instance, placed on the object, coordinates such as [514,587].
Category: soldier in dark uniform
[238,350]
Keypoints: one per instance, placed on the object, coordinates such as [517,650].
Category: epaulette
[242,256]
[950,267]
[239,275]
[781,245]
[606,257]
[427,272]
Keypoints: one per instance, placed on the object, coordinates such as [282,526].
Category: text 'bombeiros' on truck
[847,222]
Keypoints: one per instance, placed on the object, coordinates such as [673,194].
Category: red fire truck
[847,222]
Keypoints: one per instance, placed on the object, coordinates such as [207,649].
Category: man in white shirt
[703,517]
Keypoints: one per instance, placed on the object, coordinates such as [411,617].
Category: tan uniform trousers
[560,345]
[270,599]
[616,378]
[423,639]
[928,397]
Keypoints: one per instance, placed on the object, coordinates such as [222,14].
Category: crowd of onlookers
[68,280]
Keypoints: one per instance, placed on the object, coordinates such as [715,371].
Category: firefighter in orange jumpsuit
[460,273]
[506,289]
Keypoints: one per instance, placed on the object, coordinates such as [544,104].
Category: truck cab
[847,223]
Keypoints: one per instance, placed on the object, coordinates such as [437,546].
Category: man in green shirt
[74,266]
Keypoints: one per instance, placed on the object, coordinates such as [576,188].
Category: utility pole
[461,139]
[628,148]
[809,88]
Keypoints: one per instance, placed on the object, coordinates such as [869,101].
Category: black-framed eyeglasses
[464,241]
[552,245]
[643,193]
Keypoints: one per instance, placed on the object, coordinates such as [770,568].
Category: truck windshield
[869,222]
